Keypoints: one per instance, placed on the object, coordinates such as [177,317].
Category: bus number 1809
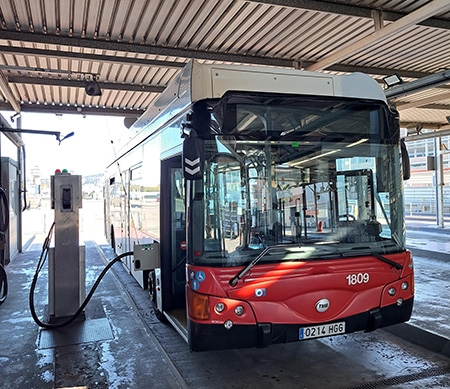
[360,278]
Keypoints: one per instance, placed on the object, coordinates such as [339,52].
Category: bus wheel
[152,291]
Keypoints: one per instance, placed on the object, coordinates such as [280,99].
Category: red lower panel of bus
[289,301]
[207,337]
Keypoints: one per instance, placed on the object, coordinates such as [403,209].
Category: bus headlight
[404,285]
[392,291]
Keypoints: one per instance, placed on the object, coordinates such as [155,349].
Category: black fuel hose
[4,222]
[41,262]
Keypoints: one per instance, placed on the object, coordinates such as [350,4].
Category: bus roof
[199,81]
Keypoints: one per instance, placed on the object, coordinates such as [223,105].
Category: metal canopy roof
[50,49]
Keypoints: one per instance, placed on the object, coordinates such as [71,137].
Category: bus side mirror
[192,157]
[405,161]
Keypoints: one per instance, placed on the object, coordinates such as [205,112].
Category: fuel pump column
[66,261]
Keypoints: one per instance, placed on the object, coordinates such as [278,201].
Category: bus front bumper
[208,337]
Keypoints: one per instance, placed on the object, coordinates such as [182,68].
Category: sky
[87,152]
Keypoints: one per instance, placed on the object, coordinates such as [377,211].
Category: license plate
[322,330]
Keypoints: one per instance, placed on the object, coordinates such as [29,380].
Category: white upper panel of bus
[200,81]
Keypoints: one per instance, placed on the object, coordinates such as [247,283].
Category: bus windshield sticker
[200,276]
[195,285]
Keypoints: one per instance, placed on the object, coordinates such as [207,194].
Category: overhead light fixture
[93,89]
[129,121]
[15,116]
[424,83]
[392,80]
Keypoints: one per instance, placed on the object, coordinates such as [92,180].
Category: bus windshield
[317,178]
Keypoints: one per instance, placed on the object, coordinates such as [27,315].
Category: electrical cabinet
[10,183]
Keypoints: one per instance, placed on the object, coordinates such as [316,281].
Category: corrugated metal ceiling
[49,49]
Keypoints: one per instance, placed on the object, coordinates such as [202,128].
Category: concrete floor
[109,349]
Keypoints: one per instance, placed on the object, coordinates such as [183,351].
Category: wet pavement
[109,349]
[112,348]
[429,326]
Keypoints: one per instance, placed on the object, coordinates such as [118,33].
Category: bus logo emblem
[322,305]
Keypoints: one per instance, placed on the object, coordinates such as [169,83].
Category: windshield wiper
[384,259]
[233,282]
[244,271]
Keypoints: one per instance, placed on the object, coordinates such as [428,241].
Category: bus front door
[173,242]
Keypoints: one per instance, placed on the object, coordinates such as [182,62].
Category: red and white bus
[280,206]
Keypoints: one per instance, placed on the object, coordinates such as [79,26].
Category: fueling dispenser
[66,260]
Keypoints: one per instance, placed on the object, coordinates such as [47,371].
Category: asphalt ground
[429,326]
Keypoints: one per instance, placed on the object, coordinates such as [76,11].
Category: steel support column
[439,182]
